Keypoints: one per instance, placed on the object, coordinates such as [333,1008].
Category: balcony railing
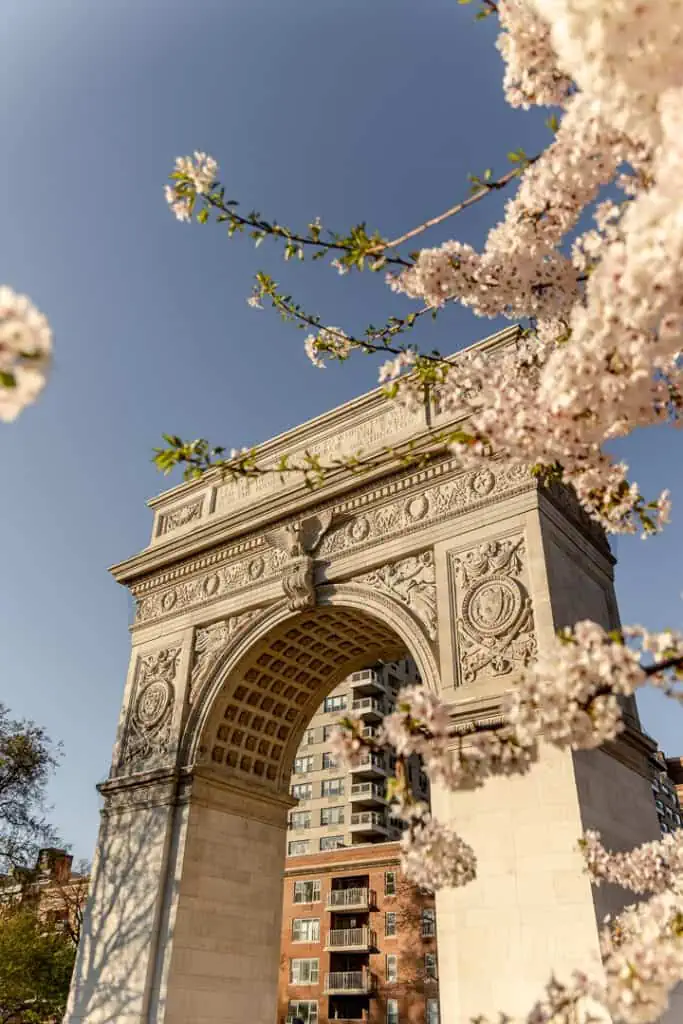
[350,982]
[351,938]
[370,764]
[350,899]
[368,679]
[368,792]
[374,818]
[369,706]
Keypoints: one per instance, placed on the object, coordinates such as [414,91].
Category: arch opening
[255,710]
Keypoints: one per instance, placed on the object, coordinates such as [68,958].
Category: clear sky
[361,109]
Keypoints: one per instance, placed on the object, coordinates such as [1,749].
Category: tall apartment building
[358,941]
[339,808]
[667,780]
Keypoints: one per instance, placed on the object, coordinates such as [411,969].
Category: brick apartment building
[358,940]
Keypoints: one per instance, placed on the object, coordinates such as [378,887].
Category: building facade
[339,807]
[667,786]
[56,892]
[358,941]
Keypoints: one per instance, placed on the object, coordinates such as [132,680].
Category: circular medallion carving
[417,507]
[359,529]
[256,567]
[493,606]
[153,703]
[211,585]
[482,482]
[168,600]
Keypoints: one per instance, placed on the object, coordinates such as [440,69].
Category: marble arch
[252,600]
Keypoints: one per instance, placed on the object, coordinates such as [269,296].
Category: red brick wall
[412,988]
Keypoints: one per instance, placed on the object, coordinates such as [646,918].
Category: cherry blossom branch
[484,187]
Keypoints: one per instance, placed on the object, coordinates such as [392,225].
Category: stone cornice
[210,510]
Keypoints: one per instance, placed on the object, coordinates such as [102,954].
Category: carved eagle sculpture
[302,537]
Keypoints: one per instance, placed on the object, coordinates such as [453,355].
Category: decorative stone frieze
[495,626]
[412,581]
[402,506]
[147,739]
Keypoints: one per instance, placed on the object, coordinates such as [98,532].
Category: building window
[428,923]
[392,967]
[390,924]
[432,1014]
[430,965]
[332,816]
[327,731]
[303,972]
[300,819]
[392,1011]
[332,787]
[303,765]
[298,846]
[329,760]
[302,790]
[331,842]
[309,737]
[389,883]
[306,929]
[335,703]
[306,1009]
[307,892]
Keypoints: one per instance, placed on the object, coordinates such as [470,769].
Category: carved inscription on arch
[494,615]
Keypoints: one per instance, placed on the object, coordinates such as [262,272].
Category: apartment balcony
[350,899]
[350,983]
[368,683]
[370,823]
[368,794]
[370,709]
[370,764]
[352,940]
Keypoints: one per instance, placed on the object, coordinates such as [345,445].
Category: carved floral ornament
[495,616]
[210,642]
[334,532]
[148,731]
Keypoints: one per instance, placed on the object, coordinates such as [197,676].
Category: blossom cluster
[193,176]
[434,856]
[329,341]
[25,350]
[651,868]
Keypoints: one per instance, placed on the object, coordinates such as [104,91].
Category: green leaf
[7,379]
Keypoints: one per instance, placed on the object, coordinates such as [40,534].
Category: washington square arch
[253,600]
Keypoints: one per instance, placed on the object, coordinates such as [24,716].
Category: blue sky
[362,109]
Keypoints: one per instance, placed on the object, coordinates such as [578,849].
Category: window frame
[392,1017]
[391,974]
[339,819]
[308,921]
[431,1018]
[316,887]
[389,891]
[309,786]
[292,1013]
[298,842]
[309,960]
[328,839]
[394,930]
[336,702]
[329,762]
[431,972]
[325,787]
[428,922]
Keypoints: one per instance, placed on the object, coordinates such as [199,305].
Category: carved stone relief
[467,490]
[180,516]
[495,623]
[365,519]
[412,581]
[148,732]
[299,541]
[209,644]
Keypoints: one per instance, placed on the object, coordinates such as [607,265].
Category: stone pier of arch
[253,600]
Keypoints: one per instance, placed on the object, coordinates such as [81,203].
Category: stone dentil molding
[495,622]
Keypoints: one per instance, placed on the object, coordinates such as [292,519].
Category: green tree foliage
[27,758]
[35,969]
